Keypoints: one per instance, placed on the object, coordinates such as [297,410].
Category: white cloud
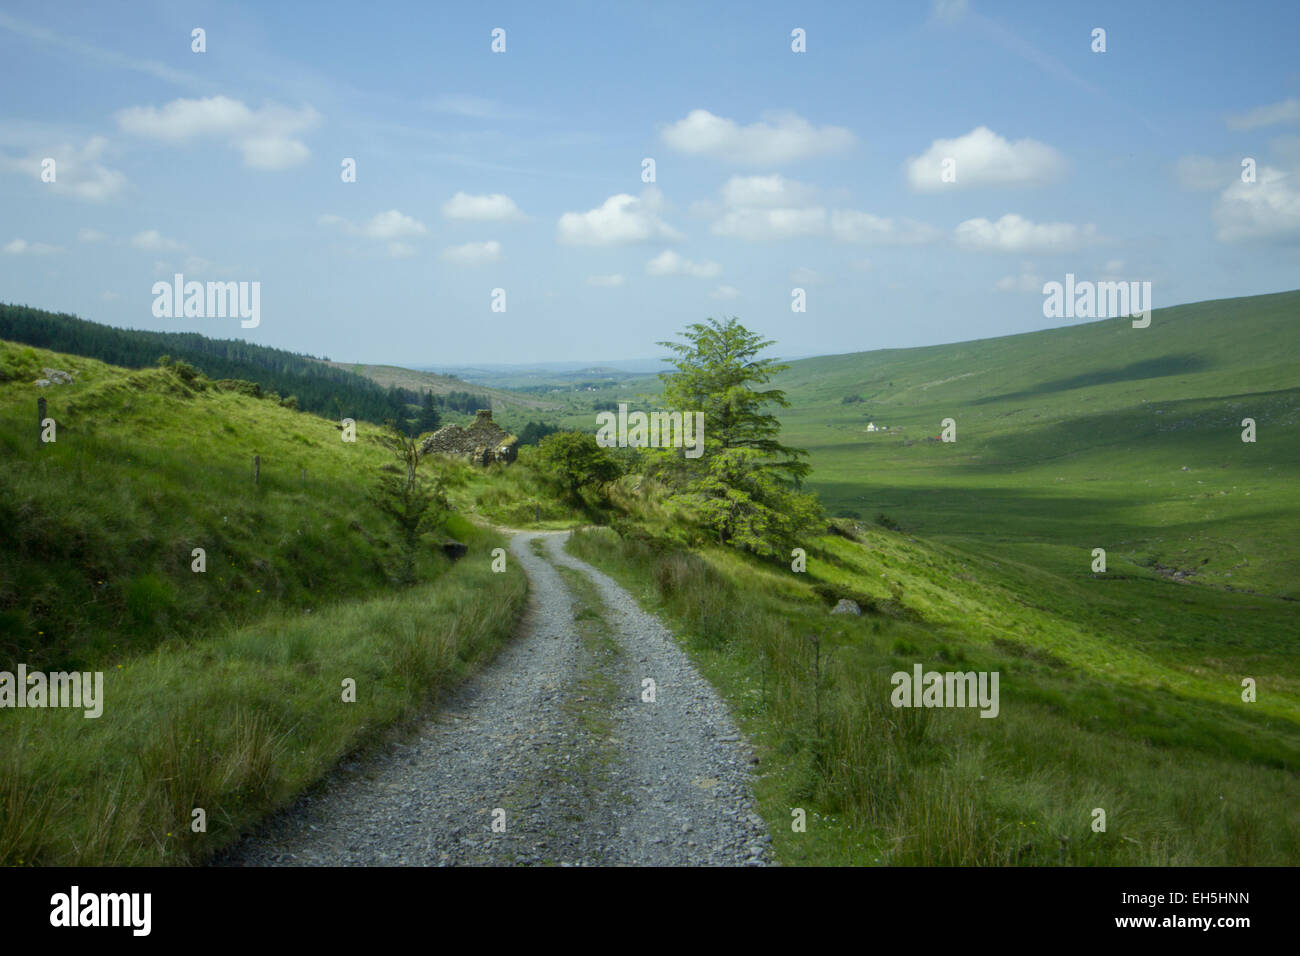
[1200,173]
[1286,149]
[761,224]
[761,208]
[725,292]
[947,11]
[21,247]
[1014,233]
[392,225]
[90,235]
[1024,282]
[773,191]
[391,228]
[153,241]
[805,276]
[861,265]
[495,207]
[1262,211]
[851,225]
[473,253]
[620,219]
[109,296]
[606,282]
[474,107]
[78,171]
[86,51]
[1287,111]
[267,137]
[771,207]
[669,263]
[777,139]
[983,158]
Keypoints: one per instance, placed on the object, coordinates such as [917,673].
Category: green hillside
[221,686]
[1097,435]
[1121,691]
[314,384]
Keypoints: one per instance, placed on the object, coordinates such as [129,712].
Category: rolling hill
[1096,435]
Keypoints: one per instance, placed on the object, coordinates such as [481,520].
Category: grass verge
[239,724]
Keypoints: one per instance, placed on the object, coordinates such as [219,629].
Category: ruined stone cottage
[483,442]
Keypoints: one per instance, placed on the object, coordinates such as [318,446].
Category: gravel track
[554,732]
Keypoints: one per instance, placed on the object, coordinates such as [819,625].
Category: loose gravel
[554,740]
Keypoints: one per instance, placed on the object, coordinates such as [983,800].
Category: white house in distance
[873,427]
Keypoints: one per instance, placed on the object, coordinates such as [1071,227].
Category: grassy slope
[223,689]
[1120,690]
[1186,772]
[1076,438]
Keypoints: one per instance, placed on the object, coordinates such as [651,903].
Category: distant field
[1099,435]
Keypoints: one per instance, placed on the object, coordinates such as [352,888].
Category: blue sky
[522,170]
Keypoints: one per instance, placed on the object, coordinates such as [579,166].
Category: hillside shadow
[1195,427]
[1135,371]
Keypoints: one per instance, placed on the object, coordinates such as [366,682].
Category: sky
[795,146]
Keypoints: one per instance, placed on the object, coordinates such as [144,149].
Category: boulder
[846,607]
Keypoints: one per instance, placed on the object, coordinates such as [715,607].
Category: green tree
[718,371]
[745,505]
[415,504]
[574,461]
[429,417]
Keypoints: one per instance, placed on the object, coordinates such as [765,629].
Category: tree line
[303,380]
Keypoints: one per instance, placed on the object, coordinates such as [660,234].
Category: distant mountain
[418,380]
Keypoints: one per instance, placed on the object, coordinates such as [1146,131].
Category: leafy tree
[747,506]
[745,487]
[415,504]
[574,461]
[718,369]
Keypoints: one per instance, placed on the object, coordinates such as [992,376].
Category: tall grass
[943,787]
[223,689]
[239,723]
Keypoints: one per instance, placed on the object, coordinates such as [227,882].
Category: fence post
[40,421]
[257,468]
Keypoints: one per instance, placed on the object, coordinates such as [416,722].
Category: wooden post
[304,476]
[40,421]
[537,512]
[257,468]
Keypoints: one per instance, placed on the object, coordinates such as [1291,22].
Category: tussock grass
[238,724]
[910,786]
[222,689]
